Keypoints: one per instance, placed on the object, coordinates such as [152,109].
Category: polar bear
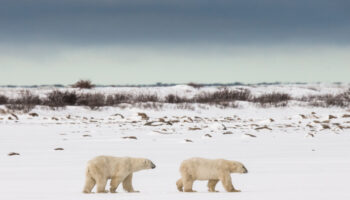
[208,169]
[118,169]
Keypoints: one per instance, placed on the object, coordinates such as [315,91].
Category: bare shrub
[273,99]
[315,103]
[223,95]
[25,102]
[57,98]
[171,98]
[93,101]
[150,105]
[314,100]
[3,99]
[185,106]
[146,98]
[70,98]
[226,104]
[195,85]
[83,84]
[54,99]
[110,100]
[118,99]
[327,100]
[205,97]
[341,100]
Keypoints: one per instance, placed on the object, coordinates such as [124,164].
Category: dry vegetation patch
[130,137]
[13,154]
[83,84]
[222,98]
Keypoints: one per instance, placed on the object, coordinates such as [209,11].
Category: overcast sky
[149,41]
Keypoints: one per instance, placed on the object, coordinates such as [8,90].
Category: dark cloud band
[196,21]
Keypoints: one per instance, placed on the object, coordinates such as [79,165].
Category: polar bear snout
[245,170]
[153,165]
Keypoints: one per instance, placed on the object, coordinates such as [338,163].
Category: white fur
[118,169]
[213,170]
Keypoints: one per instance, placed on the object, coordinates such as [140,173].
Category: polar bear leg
[211,185]
[115,183]
[101,185]
[227,183]
[179,185]
[89,184]
[127,184]
[188,184]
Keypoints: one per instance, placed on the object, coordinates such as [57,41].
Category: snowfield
[291,152]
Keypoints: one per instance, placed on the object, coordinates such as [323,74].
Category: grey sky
[49,41]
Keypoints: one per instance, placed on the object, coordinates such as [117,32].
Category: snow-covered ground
[291,153]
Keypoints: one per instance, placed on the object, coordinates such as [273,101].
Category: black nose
[153,166]
[245,170]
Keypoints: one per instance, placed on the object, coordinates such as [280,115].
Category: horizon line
[160,84]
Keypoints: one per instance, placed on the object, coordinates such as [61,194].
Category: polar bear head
[237,167]
[141,164]
[148,164]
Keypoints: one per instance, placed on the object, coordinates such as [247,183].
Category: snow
[297,159]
